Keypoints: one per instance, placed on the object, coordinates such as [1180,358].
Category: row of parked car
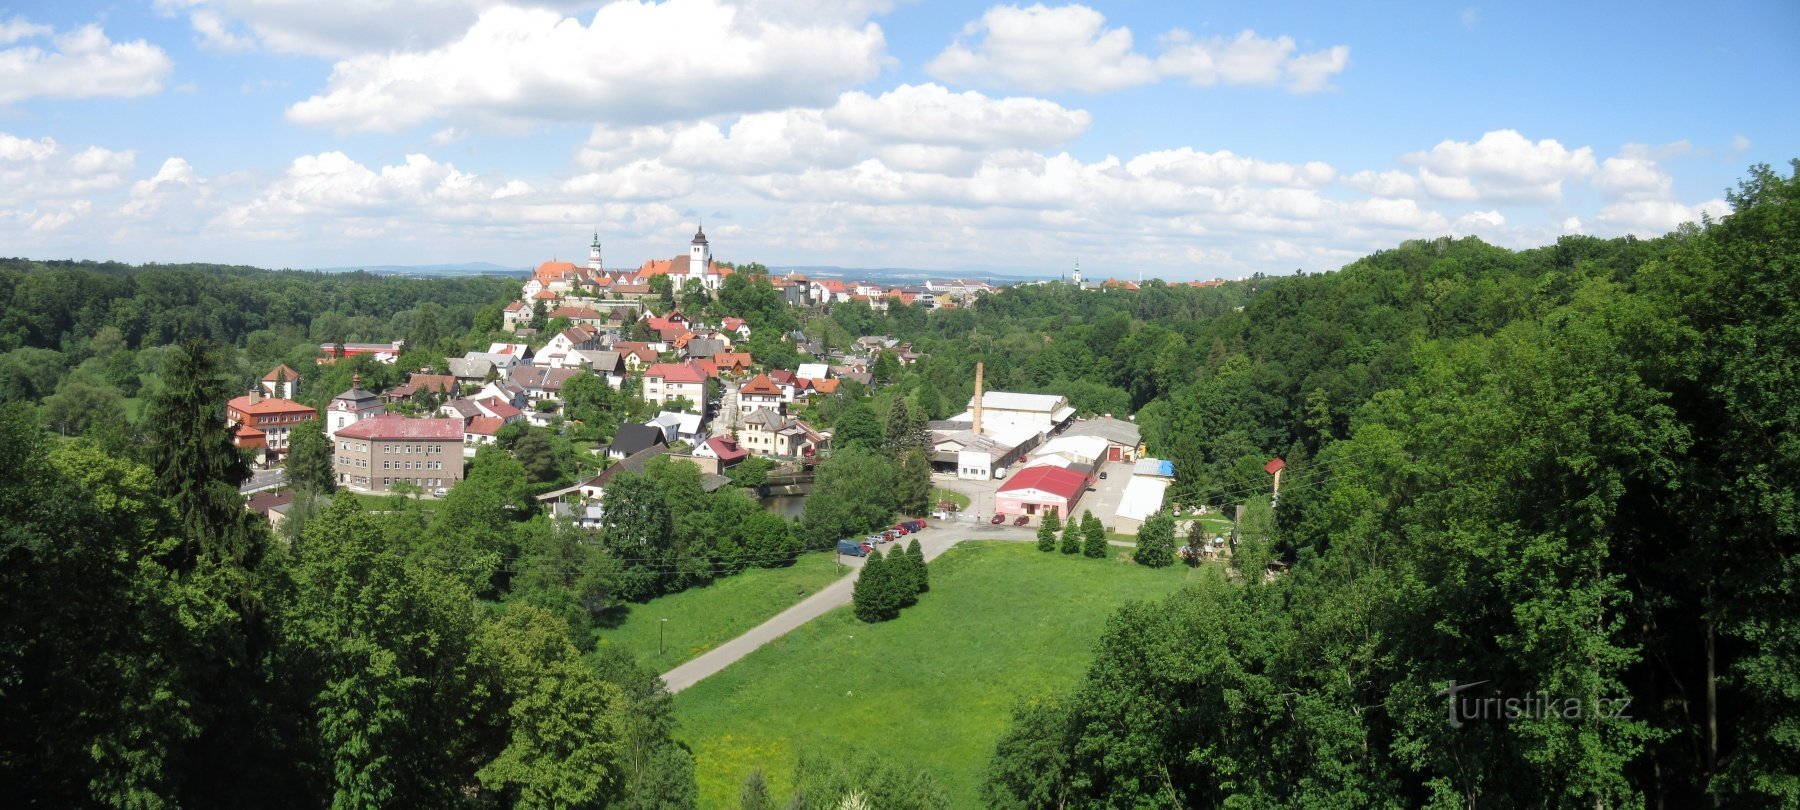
[1019,521]
[861,548]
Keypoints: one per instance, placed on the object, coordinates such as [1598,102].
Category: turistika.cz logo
[1530,706]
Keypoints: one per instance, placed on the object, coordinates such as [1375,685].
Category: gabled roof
[485,425]
[463,408]
[826,386]
[733,360]
[275,373]
[393,426]
[473,368]
[634,438]
[676,372]
[500,408]
[726,448]
[268,405]
[761,386]
[1117,431]
[542,377]
[1059,481]
[441,383]
[764,418]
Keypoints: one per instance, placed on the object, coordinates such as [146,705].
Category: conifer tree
[1071,537]
[754,795]
[1047,533]
[920,568]
[1094,534]
[902,577]
[873,597]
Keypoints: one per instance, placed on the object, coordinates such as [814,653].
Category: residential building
[765,433]
[724,448]
[382,352]
[542,382]
[677,427]
[260,421]
[633,439]
[665,382]
[375,453]
[761,392]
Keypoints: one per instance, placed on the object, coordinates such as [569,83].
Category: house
[705,348]
[581,502]
[351,406]
[765,433]
[737,325]
[636,356]
[260,421]
[733,362]
[497,408]
[479,431]
[515,315]
[272,506]
[376,453]
[812,371]
[1040,490]
[282,382]
[470,370]
[542,382]
[677,427]
[581,315]
[761,392]
[723,448]
[608,365]
[634,439]
[443,385]
[579,336]
[665,382]
[826,387]
[506,391]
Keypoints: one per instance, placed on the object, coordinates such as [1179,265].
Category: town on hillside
[707,396]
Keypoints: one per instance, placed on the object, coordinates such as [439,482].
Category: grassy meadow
[936,686]
[702,618]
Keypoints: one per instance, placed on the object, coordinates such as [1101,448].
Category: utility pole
[662,626]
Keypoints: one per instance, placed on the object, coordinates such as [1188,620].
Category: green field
[941,494]
[703,618]
[934,687]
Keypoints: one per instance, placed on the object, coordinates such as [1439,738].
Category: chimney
[256,394]
[976,428]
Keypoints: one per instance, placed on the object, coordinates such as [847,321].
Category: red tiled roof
[500,407]
[394,426]
[676,372]
[726,448]
[484,425]
[544,295]
[761,385]
[732,323]
[553,270]
[276,372]
[826,386]
[1059,481]
[268,405]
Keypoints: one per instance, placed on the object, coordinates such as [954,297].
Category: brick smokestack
[977,426]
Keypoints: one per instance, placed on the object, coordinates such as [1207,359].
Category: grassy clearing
[941,494]
[936,686]
[703,618]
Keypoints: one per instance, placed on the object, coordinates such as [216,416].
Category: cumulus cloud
[635,62]
[1249,59]
[931,114]
[1648,218]
[82,63]
[1071,48]
[1502,165]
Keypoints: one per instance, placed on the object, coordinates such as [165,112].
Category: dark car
[1103,475]
[915,525]
[998,518]
[852,548]
[1023,519]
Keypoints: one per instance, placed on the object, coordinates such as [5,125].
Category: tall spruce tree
[873,597]
[1093,535]
[198,470]
[1071,537]
[921,568]
[1046,538]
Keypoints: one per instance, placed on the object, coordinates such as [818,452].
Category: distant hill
[462,269]
[908,274]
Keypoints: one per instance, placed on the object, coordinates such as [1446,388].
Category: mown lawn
[703,618]
[941,494]
[933,688]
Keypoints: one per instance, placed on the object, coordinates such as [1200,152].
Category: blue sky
[1178,140]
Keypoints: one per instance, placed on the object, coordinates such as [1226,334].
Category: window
[387,481]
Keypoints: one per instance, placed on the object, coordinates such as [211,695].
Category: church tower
[699,256]
[350,407]
[594,254]
[1077,272]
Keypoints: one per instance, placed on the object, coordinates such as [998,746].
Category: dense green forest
[1570,472]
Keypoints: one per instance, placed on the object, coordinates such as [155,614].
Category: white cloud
[933,115]
[1648,218]
[1739,143]
[1185,165]
[15,148]
[19,28]
[1071,48]
[81,63]
[173,180]
[1475,221]
[1249,59]
[215,32]
[1633,179]
[1039,48]
[1383,184]
[636,62]
[446,136]
[1503,165]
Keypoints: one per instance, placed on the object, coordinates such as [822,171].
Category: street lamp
[659,636]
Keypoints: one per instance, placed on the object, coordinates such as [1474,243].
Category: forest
[1570,471]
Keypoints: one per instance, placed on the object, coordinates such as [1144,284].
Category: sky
[1174,140]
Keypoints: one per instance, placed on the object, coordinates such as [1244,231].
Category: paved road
[941,537]
[264,479]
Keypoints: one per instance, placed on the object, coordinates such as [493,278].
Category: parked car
[915,526]
[1023,519]
[903,528]
[891,535]
[998,519]
[876,538]
[852,548]
[1103,475]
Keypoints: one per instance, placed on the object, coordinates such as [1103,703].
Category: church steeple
[594,253]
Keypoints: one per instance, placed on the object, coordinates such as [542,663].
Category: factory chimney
[976,428]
